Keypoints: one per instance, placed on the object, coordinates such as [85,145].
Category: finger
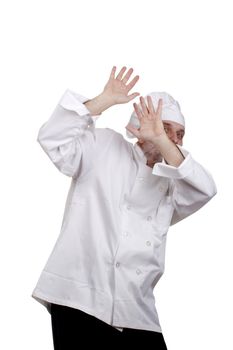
[138,111]
[159,108]
[113,71]
[150,105]
[132,83]
[132,96]
[127,76]
[133,130]
[120,74]
[144,106]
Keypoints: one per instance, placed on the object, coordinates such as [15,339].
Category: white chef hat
[170,110]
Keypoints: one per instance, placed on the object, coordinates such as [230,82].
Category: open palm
[151,125]
[118,88]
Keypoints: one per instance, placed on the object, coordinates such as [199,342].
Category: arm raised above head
[69,135]
[116,91]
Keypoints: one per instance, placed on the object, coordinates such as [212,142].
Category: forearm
[169,151]
[98,104]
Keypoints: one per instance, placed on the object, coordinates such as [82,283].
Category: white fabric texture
[110,252]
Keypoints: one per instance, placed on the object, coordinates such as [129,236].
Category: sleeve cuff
[183,170]
[74,102]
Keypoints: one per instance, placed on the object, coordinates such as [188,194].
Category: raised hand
[117,88]
[151,125]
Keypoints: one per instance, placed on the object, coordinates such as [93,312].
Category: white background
[182,47]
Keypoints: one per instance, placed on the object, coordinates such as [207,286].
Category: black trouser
[74,329]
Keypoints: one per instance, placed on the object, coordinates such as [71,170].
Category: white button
[125,234]
[140,178]
[117,264]
[149,218]
[128,207]
[138,271]
[148,243]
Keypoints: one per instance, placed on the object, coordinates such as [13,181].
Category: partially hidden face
[174,131]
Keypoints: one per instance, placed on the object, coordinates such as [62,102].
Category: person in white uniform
[100,276]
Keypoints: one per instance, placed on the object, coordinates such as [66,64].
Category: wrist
[169,150]
[161,141]
[98,104]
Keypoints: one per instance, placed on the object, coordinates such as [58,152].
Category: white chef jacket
[110,252]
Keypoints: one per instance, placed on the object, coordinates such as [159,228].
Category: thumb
[132,96]
[133,130]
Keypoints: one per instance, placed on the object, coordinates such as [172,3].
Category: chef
[110,253]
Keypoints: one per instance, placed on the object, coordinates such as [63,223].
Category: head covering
[170,110]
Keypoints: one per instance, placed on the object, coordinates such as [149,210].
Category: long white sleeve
[191,186]
[68,137]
